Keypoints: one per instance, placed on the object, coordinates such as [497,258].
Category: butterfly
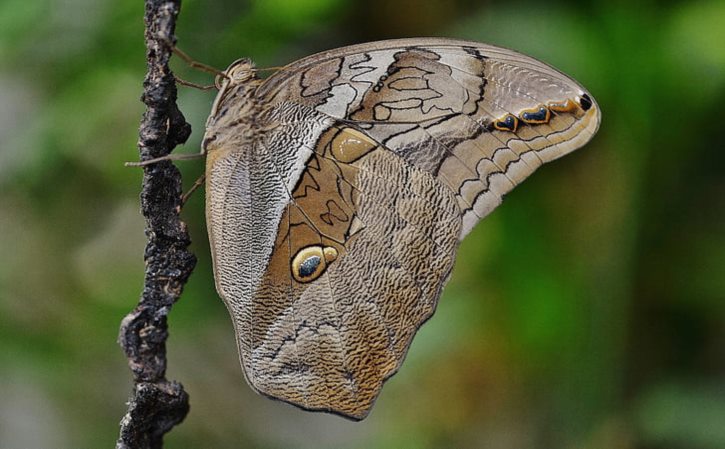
[339,188]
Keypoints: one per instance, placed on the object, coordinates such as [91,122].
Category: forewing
[479,118]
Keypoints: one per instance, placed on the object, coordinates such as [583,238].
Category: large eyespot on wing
[479,118]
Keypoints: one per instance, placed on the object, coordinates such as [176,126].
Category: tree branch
[157,404]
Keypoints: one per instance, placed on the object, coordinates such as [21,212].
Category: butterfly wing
[478,117]
[334,233]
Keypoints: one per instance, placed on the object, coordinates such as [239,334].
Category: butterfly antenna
[196,64]
[284,68]
[269,69]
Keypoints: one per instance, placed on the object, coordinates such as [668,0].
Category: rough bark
[157,404]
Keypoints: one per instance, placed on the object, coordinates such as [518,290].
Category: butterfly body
[339,189]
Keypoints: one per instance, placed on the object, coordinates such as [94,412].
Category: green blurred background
[587,312]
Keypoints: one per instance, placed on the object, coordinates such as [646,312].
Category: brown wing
[375,162]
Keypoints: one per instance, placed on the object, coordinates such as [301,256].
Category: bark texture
[157,404]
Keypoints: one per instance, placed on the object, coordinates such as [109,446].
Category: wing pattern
[340,187]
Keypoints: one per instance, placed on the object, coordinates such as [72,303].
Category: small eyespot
[536,115]
[310,262]
[508,123]
[586,102]
[563,106]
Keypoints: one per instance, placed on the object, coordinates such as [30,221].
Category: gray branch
[157,404]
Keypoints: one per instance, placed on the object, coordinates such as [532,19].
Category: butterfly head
[240,71]
[233,102]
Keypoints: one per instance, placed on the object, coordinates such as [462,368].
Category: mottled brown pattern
[388,154]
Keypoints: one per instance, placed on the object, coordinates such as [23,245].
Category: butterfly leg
[198,183]
[168,157]
[183,82]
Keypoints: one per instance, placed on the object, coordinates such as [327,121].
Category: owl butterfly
[339,188]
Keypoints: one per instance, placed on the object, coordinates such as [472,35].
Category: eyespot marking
[308,266]
[563,106]
[310,262]
[508,123]
[586,102]
[536,115]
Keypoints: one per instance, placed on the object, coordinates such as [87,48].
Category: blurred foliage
[586,312]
